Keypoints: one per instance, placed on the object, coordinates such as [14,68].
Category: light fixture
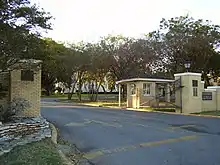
[187,65]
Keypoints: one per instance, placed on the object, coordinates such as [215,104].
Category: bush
[15,107]
[165,109]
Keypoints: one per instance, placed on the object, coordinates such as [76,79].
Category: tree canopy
[162,52]
[20,26]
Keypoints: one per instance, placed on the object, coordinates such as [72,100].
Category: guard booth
[146,91]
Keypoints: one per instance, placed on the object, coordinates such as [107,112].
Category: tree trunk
[97,92]
[69,95]
[112,88]
[103,89]
[69,86]
[80,90]
[71,91]
[91,91]
[48,92]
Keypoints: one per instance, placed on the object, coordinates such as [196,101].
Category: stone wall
[4,88]
[29,90]
[21,132]
[212,104]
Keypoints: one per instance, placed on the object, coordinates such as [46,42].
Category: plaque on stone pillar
[206,95]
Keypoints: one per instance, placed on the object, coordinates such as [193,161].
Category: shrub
[15,107]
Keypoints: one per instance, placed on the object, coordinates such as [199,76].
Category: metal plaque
[206,95]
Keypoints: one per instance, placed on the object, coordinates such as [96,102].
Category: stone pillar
[202,85]
[167,92]
[156,94]
[25,83]
[153,89]
[119,95]
[189,96]
[129,98]
[138,96]
[218,99]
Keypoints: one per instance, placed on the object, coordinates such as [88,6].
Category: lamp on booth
[187,65]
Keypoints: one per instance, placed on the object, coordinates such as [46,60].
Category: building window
[195,87]
[146,89]
[27,75]
[133,89]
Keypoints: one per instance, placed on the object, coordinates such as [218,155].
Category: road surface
[120,137]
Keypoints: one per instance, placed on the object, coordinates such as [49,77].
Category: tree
[129,57]
[51,52]
[20,23]
[186,39]
[97,70]
[74,65]
[214,68]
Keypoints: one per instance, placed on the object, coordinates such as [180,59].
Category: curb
[53,133]
[173,113]
[142,110]
[54,140]
[176,113]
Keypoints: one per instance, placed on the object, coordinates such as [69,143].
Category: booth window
[27,75]
[146,89]
[195,87]
[133,89]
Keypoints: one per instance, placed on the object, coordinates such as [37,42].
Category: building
[104,87]
[189,93]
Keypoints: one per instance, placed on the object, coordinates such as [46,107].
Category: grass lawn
[212,113]
[97,103]
[160,109]
[74,95]
[106,103]
[55,96]
[112,103]
[164,109]
[36,153]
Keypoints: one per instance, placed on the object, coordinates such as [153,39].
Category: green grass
[212,113]
[84,96]
[37,153]
[106,103]
[164,109]
[161,109]
[55,96]
[98,103]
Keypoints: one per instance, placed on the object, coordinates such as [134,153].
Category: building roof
[150,79]
[213,87]
[188,74]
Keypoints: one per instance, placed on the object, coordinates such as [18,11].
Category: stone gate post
[188,97]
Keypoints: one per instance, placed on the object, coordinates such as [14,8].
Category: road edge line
[142,110]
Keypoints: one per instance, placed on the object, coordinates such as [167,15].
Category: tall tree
[73,67]
[20,22]
[130,57]
[51,52]
[186,39]
[97,70]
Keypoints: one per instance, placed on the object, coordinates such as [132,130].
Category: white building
[104,87]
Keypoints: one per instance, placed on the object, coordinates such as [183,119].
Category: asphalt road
[120,137]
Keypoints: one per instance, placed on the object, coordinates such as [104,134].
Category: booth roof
[152,78]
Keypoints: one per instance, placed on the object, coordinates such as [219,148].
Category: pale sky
[88,20]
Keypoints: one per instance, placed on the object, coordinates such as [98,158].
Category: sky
[88,20]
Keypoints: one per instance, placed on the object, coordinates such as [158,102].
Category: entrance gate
[174,102]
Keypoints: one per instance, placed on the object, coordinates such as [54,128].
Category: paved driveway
[120,137]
